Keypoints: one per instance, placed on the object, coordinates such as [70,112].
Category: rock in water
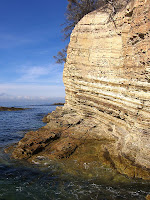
[11,108]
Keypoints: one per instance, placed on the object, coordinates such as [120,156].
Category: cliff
[107,75]
[107,81]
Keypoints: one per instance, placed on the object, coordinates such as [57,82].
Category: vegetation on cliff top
[77,9]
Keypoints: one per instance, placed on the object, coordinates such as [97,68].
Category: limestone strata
[107,81]
[107,75]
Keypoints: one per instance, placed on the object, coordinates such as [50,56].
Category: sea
[20,180]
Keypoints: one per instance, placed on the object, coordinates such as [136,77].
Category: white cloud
[50,73]
[34,81]
[32,73]
[32,90]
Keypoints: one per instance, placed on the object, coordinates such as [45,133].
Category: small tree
[77,9]
[61,56]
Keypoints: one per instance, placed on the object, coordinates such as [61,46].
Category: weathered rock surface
[107,75]
[107,81]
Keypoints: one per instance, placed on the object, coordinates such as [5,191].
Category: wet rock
[63,148]
[76,137]
[34,142]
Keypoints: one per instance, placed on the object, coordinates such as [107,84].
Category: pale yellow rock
[107,75]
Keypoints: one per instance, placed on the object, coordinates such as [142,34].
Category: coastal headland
[106,115]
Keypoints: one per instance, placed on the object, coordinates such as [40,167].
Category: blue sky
[30,35]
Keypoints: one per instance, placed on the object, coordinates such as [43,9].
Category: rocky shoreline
[68,135]
[106,116]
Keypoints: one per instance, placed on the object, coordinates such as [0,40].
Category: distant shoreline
[57,104]
[11,108]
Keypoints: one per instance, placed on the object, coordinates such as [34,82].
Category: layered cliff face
[107,76]
[106,116]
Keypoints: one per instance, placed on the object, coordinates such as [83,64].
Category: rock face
[107,75]
[107,81]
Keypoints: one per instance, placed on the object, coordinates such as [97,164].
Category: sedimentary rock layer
[107,111]
[107,75]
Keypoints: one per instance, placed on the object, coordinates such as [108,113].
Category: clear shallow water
[20,180]
[14,124]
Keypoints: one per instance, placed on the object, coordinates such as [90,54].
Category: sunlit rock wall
[107,75]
